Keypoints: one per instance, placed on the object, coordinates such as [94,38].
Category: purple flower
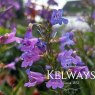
[45,13]
[17,59]
[35,78]
[32,48]
[10,66]
[28,44]
[92,2]
[13,3]
[68,59]
[8,14]
[81,69]
[66,39]
[57,18]
[55,83]
[30,57]
[28,34]
[48,67]
[52,2]
[10,37]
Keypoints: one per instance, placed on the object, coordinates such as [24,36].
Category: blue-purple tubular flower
[28,34]
[57,18]
[68,58]
[10,37]
[32,48]
[35,78]
[45,13]
[66,39]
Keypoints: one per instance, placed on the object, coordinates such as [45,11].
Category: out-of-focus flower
[10,66]
[35,78]
[10,37]
[93,14]
[52,2]
[48,67]
[13,3]
[30,11]
[66,39]
[55,83]
[45,13]
[57,18]
[17,59]
[8,14]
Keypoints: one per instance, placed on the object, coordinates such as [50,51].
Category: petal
[29,84]
[54,86]
[65,21]
[61,84]
[48,84]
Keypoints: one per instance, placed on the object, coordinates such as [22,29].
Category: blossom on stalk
[45,13]
[57,18]
[55,82]
[10,66]
[66,39]
[68,60]
[35,78]
[10,37]
[30,57]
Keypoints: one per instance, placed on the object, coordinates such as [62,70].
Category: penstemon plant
[54,57]
[34,49]
[64,59]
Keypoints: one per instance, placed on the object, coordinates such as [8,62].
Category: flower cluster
[7,7]
[34,49]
